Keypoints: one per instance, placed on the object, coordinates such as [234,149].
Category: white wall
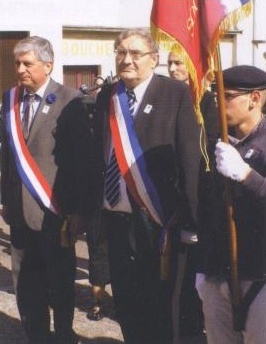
[108,13]
[38,18]
[47,17]
[259,33]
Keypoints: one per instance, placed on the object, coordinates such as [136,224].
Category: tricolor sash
[130,156]
[28,169]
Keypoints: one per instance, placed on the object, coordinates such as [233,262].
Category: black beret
[244,78]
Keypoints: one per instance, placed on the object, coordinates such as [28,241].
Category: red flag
[192,29]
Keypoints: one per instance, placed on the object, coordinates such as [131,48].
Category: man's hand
[75,225]
[230,163]
[187,237]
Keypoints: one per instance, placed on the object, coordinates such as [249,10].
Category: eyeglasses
[229,96]
[134,54]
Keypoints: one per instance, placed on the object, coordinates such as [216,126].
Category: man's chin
[127,75]
[24,83]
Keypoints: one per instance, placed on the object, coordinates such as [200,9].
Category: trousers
[142,300]
[217,309]
[44,277]
[182,259]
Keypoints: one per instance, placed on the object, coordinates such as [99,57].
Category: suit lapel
[106,138]
[106,128]
[44,110]
[147,107]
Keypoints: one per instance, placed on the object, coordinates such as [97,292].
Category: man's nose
[128,58]
[20,67]
[172,67]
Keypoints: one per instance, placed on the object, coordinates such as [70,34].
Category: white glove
[230,163]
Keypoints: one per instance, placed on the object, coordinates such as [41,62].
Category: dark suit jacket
[78,157]
[169,137]
[22,207]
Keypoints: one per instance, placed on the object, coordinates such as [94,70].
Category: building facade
[82,33]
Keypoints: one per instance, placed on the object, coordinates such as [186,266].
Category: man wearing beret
[242,162]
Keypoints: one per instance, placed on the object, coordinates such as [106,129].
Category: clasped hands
[230,163]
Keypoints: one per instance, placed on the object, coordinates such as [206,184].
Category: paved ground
[106,331]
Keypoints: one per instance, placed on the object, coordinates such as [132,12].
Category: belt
[117,215]
[120,225]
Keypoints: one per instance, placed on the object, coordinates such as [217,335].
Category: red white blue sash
[130,156]
[28,170]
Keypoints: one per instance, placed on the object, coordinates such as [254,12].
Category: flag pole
[235,287]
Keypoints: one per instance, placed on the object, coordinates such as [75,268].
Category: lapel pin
[148,108]
[45,109]
[249,153]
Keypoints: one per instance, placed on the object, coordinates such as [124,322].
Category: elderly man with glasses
[151,150]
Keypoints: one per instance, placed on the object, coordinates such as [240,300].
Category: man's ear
[255,98]
[155,57]
[48,67]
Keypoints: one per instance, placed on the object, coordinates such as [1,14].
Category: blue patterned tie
[112,188]
[131,101]
[112,192]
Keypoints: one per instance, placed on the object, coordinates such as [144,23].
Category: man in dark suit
[155,138]
[43,270]
[79,174]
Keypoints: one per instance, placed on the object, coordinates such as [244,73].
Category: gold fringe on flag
[229,22]
[169,43]
[198,87]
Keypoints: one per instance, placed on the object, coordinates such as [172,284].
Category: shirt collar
[141,88]
[40,92]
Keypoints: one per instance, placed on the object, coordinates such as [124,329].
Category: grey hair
[141,33]
[42,48]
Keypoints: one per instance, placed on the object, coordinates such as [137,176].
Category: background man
[153,117]
[187,310]
[177,70]
[98,249]
[243,162]
[96,238]
[78,154]
[44,271]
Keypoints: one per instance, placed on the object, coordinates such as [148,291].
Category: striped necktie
[131,101]
[112,188]
[28,106]
[112,192]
